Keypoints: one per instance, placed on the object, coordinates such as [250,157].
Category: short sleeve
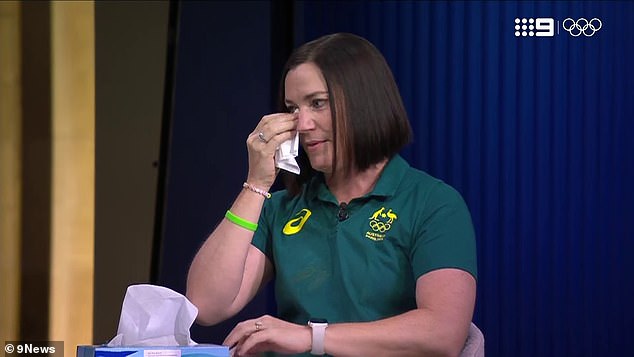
[262,238]
[444,236]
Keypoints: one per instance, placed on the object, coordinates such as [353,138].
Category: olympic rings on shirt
[379,226]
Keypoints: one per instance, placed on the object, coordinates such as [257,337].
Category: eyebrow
[308,96]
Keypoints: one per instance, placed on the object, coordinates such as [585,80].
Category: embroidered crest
[380,222]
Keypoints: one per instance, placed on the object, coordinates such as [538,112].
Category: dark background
[535,132]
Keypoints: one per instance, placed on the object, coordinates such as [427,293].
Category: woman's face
[306,93]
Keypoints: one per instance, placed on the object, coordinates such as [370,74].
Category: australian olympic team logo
[582,26]
[380,222]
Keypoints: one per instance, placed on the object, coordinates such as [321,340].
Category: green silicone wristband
[241,221]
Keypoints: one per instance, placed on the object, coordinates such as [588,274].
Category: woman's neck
[356,183]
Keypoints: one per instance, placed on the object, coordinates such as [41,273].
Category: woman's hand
[269,334]
[267,136]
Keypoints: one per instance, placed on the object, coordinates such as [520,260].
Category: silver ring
[262,138]
[258,326]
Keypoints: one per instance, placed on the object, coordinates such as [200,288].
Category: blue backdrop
[535,132]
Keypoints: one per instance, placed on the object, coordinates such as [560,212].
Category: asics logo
[582,26]
[295,225]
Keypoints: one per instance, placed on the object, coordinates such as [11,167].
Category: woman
[384,252]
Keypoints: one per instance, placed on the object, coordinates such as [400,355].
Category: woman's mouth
[314,144]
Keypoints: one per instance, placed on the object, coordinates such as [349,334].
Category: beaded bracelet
[256,190]
[241,221]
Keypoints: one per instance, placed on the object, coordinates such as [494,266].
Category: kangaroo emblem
[376,214]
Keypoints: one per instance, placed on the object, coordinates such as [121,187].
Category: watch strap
[319,333]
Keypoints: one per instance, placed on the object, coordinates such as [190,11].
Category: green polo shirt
[365,267]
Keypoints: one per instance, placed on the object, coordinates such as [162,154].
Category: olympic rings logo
[582,26]
[379,226]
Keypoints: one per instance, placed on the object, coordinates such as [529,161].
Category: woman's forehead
[304,80]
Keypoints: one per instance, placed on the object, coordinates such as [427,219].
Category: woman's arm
[438,327]
[228,271]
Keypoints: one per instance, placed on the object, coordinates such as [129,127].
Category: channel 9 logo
[545,27]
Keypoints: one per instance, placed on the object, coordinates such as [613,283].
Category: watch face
[316,320]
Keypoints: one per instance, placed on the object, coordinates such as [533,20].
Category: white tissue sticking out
[285,155]
[154,316]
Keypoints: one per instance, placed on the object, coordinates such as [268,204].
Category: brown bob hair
[368,117]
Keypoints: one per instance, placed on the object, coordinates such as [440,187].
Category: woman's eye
[292,109]
[319,103]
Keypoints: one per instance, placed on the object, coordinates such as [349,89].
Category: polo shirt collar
[391,177]
[386,186]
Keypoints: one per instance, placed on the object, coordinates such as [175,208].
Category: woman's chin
[319,165]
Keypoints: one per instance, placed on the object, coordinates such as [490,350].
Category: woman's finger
[274,124]
[241,331]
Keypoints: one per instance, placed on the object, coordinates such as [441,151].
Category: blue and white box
[200,350]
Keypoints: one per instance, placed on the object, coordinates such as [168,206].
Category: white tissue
[154,316]
[285,155]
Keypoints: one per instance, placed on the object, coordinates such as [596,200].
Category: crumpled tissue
[154,316]
[285,155]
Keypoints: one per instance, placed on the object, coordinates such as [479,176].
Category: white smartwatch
[319,331]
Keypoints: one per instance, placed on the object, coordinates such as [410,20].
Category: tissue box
[200,350]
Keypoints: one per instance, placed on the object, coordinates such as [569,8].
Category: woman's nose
[304,120]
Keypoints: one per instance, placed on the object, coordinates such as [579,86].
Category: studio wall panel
[130,54]
[222,89]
